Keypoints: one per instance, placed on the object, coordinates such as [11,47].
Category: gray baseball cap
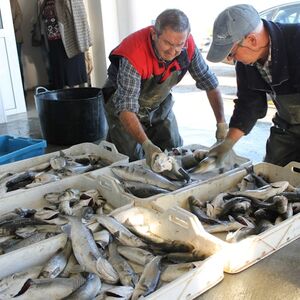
[231,26]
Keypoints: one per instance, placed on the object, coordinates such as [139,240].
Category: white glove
[221,150]
[151,152]
[221,131]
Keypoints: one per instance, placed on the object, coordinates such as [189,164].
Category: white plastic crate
[239,256]
[33,198]
[111,188]
[105,150]
[175,223]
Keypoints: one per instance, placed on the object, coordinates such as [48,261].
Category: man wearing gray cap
[267,59]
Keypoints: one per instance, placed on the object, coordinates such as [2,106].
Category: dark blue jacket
[253,89]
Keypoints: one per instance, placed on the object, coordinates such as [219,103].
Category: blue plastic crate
[18,148]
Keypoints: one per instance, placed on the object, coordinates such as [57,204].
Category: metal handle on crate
[294,166]
[108,146]
[40,89]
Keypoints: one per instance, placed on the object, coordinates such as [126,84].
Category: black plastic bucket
[71,116]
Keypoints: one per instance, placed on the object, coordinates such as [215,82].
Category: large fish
[57,262]
[264,192]
[49,289]
[11,285]
[124,270]
[149,279]
[141,174]
[88,290]
[36,237]
[142,190]
[86,251]
[136,255]
[120,232]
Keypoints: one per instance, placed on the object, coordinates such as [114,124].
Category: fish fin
[66,229]
[24,288]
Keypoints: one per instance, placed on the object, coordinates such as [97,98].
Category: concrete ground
[275,277]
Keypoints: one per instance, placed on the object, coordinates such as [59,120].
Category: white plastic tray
[239,256]
[105,150]
[112,190]
[175,223]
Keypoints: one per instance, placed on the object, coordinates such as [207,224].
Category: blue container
[18,148]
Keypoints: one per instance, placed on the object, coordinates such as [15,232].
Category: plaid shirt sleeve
[128,91]
[199,70]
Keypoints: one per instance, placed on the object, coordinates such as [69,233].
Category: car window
[283,14]
[268,15]
[287,16]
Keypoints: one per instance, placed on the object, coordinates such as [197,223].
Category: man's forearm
[235,134]
[216,103]
[133,126]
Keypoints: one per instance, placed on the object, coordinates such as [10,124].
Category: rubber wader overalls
[283,145]
[155,114]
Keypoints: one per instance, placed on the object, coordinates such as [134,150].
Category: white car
[284,13]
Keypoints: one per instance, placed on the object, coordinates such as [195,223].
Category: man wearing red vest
[138,100]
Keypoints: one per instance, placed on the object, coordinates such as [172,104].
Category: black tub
[71,116]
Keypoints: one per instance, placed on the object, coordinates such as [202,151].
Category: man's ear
[153,33]
[252,39]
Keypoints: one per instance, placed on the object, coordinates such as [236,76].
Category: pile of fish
[255,206]
[102,258]
[56,168]
[142,182]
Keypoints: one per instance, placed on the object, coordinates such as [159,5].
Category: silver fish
[41,179]
[122,234]
[49,289]
[86,251]
[156,241]
[141,174]
[124,270]
[57,262]
[137,255]
[59,162]
[11,285]
[149,279]
[88,290]
[36,237]
[102,238]
[142,190]
[264,192]
[69,267]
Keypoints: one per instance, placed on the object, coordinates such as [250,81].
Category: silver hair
[175,19]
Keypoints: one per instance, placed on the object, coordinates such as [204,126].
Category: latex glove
[221,150]
[151,152]
[221,131]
